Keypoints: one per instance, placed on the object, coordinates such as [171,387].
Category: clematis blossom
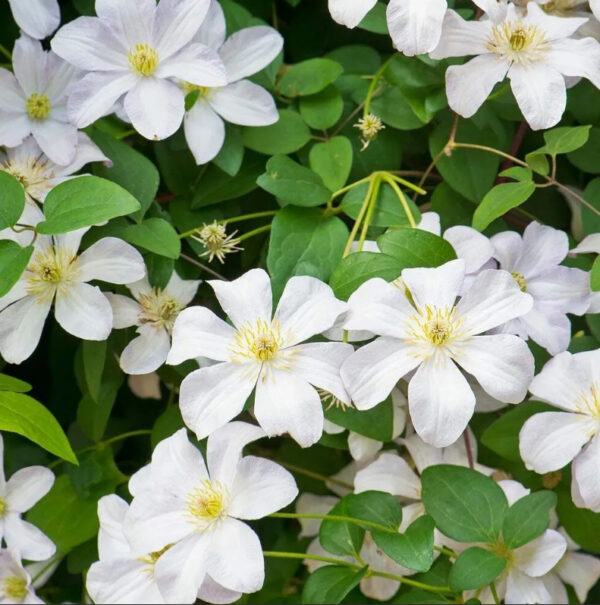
[37,18]
[534,50]
[33,101]
[15,582]
[550,440]
[262,350]
[240,101]
[433,334]
[194,512]
[153,311]
[17,496]
[137,52]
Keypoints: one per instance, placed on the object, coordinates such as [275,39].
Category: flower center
[208,503]
[49,271]
[38,106]
[2,507]
[258,341]
[434,327]
[14,588]
[159,309]
[216,241]
[143,59]
[588,401]
[518,42]
[331,401]
[28,170]
[521,281]
[369,126]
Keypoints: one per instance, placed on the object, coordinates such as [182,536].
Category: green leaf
[595,275]
[309,77]
[375,20]
[587,158]
[565,139]
[155,235]
[340,537]
[395,111]
[527,518]
[359,267]
[416,248]
[502,436]
[130,169]
[322,110]
[413,548]
[538,162]
[287,135]
[475,567]
[84,201]
[12,200]
[9,383]
[231,156]
[24,415]
[500,200]
[582,525]
[94,356]
[292,183]
[304,242]
[376,423]
[330,584]
[518,173]
[375,507]
[332,161]
[13,261]
[465,504]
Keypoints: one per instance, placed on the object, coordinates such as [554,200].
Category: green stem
[358,221]
[125,134]
[315,475]
[502,154]
[5,52]
[339,518]
[351,186]
[254,232]
[408,184]
[446,551]
[370,210]
[494,593]
[234,219]
[373,84]
[409,215]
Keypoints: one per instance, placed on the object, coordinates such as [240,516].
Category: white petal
[590,243]
[520,588]
[540,93]
[249,50]
[38,18]
[423,454]
[111,260]
[236,560]
[308,503]
[204,131]
[508,249]
[57,139]
[437,287]
[21,327]
[61,78]
[460,37]
[198,332]
[14,127]
[286,403]
[579,570]
[246,298]
[212,592]
[513,490]
[96,94]
[416,25]
[196,64]
[351,13]
[155,107]
[493,298]
[112,543]
[470,245]
[87,151]
[147,352]
[27,486]
[212,396]
[212,32]
[12,97]
[362,448]
[502,364]
[440,401]
[260,487]
[579,58]
[389,473]
[125,310]
[245,103]
[585,474]
[27,539]
[543,248]
[553,26]
[564,289]
[29,64]
[550,440]
[549,329]
[182,290]
[82,310]
[539,556]
[372,371]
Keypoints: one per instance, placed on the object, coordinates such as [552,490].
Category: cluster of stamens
[520,279]
[143,59]
[588,401]
[216,241]
[51,270]
[329,400]
[518,42]
[256,341]
[28,170]
[159,309]
[13,589]
[369,126]
[208,503]
[38,106]
[437,326]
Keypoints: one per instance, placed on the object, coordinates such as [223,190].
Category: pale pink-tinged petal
[204,131]
[460,37]
[37,18]
[585,475]
[147,352]
[539,556]
[351,13]
[389,473]
[437,287]
[111,260]
[82,310]
[416,25]
[245,103]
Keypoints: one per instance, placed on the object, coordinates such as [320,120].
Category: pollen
[521,281]
[14,588]
[588,401]
[159,309]
[2,507]
[369,126]
[208,503]
[257,341]
[331,401]
[50,271]
[216,241]
[518,42]
[143,59]
[38,106]
[434,326]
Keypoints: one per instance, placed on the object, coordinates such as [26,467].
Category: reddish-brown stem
[467,439]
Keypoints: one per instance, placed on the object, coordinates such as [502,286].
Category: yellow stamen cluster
[159,309]
[38,106]
[51,270]
[369,126]
[518,42]
[143,59]
[203,91]
[588,401]
[28,171]
[521,281]
[13,588]
[330,400]
[208,503]
[216,241]
[257,341]
[435,326]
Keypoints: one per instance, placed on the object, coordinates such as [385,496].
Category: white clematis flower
[138,50]
[17,496]
[433,334]
[534,262]
[38,173]
[550,440]
[197,513]
[154,311]
[262,350]
[414,25]
[37,18]
[240,101]
[590,245]
[15,582]
[535,50]
[34,99]
[57,273]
